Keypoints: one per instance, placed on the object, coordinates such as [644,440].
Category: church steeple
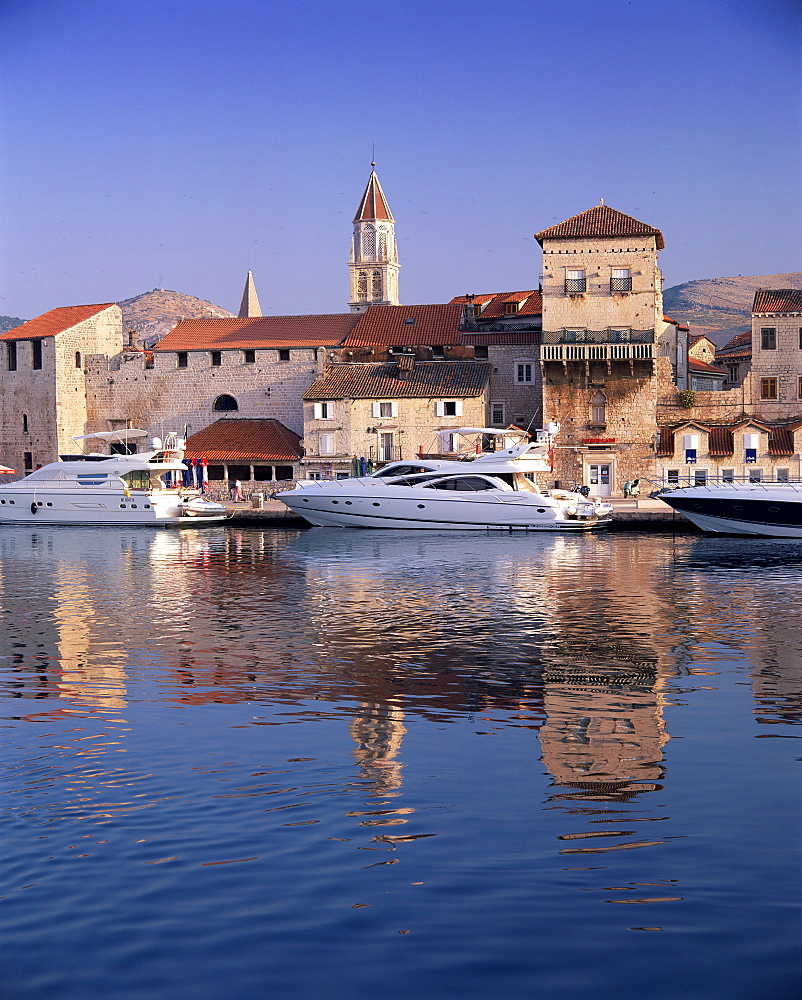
[374,258]
[250,300]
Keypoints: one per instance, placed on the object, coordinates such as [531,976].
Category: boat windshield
[518,481]
[388,471]
[141,479]
[464,484]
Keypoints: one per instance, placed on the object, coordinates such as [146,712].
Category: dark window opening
[480,352]
[77,359]
[214,473]
[225,403]
[284,473]
[12,355]
[28,461]
[262,473]
[182,358]
[36,347]
[768,339]
[217,359]
[241,472]
[250,357]
[25,423]
[284,354]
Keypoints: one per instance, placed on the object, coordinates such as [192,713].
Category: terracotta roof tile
[56,321]
[494,304]
[720,441]
[777,300]
[240,440]
[781,441]
[702,367]
[501,338]
[258,332]
[427,380]
[407,326]
[665,445]
[601,220]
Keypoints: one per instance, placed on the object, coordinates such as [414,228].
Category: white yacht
[740,508]
[486,490]
[110,489]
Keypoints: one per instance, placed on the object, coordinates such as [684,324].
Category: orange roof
[374,204]
[390,380]
[778,300]
[702,367]
[233,439]
[601,220]
[407,326]
[54,322]
[258,332]
[530,304]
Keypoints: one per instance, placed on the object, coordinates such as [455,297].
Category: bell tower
[373,264]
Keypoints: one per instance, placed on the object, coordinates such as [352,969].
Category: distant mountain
[152,315]
[721,307]
[9,322]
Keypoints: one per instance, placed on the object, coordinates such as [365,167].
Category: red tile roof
[720,441]
[56,321]
[426,380]
[374,204]
[601,220]
[241,440]
[500,338]
[702,367]
[407,326]
[737,349]
[530,304]
[781,441]
[778,300]
[665,445]
[258,332]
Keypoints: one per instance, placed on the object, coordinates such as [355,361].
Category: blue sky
[178,143]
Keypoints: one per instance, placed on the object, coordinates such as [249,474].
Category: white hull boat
[120,490]
[491,490]
[773,510]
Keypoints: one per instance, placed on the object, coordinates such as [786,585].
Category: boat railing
[718,483]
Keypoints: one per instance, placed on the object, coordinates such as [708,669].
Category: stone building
[373,263]
[389,410]
[608,353]
[248,449]
[47,367]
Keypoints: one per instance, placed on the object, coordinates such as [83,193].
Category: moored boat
[110,489]
[771,509]
[495,489]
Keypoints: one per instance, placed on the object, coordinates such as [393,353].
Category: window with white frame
[384,408]
[524,372]
[575,283]
[326,444]
[448,408]
[768,338]
[598,408]
[621,280]
[728,475]
[672,476]
[755,475]
[699,477]
[783,475]
[324,411]
[497,414]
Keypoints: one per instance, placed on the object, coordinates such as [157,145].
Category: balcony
[575,286]
[620,285]
[597,352]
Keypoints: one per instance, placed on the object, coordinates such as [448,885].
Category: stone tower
[250,300]
[374,259]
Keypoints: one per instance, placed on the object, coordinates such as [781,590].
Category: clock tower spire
[374,259]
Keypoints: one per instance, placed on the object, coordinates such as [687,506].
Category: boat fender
[34,508]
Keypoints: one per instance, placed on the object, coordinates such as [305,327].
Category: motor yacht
[494,489]
[104,488]
[740,508]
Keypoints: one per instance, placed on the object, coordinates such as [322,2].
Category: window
[438,352]
[77,359]
[768,339]
[448,408]
[249,357]
[384,409]
[326,444]
[362,286]
[699,477]
[728,475]
[36,348]
[12,355]
[621,335]
[480,352]
[284,354]
[755,475]
[225,403]
[497,414]
[694,383]
[768,388]
[672,477]
[386,447]
[510,308]
[800,338]
[27,460]
[690,456]
[25,423]
[598,409]
[799,389]
[783,475]
[733,373]
[217,359]
[376,286]
[182,359]
[575,283]
[523,372]
[323,411]
[621,280]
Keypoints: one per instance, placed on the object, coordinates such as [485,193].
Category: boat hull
[68,507]
[434,514]
[744,512]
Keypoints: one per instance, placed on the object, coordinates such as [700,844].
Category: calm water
[326,765]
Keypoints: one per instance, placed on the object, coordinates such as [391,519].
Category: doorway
[600,479]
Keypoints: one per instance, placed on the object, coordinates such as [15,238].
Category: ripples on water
[247,763]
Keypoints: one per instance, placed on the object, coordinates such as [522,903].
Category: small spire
[601,201]
[250,300]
